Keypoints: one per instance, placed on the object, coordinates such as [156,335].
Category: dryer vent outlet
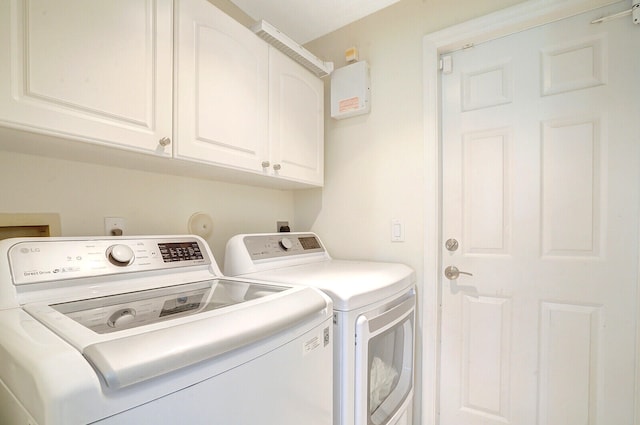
[282,226]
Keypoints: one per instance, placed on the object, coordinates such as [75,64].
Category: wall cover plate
[201,224]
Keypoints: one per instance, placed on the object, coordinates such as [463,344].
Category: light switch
[397,231]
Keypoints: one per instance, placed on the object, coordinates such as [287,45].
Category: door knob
[452,273]
[451,245]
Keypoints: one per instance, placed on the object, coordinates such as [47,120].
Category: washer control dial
[120,255]
[121,318]
[286,244]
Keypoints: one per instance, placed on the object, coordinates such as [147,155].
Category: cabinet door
[222,89]
[296,121]
[98,71]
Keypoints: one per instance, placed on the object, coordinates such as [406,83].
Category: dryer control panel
[265,246]
[250,253]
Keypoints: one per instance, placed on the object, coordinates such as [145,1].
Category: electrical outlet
[114,226]
[282,226]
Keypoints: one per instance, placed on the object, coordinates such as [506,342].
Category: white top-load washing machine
[146,330]
[374,317]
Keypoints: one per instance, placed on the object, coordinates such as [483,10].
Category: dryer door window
[384,365]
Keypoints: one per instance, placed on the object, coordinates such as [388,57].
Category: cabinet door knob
[277,167]
[165,141]
[265,164]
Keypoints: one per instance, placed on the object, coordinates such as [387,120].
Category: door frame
[526,15]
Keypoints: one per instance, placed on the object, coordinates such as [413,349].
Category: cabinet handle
[277,167]
[165,141]
[265,164]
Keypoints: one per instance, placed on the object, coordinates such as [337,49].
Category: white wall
[83,194]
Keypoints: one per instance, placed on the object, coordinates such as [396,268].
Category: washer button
[122,318]
[120,255]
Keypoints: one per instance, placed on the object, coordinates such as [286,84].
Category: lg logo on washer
[29,250]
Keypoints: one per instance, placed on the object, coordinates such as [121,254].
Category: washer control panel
[36,261]
[265,246]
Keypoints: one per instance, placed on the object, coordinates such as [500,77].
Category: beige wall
[374,162]
[83,194]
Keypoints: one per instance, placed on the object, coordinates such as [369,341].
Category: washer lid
[351,284]
[118,312]
[198,327]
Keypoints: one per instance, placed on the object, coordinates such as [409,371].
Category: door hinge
[446,64]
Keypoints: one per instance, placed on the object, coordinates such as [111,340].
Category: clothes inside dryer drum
[382,380]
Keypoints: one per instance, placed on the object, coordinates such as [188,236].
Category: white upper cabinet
[242,104]
[221,89]
[98,71]
[213,96]
[296,120]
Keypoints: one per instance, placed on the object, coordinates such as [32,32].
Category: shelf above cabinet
[25,142]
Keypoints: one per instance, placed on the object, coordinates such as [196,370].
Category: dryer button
[286,243]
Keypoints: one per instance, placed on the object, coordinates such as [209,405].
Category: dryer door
[384,362]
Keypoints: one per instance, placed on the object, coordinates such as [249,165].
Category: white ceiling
[306,20]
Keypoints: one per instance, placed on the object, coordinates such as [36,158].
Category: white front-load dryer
[374,319]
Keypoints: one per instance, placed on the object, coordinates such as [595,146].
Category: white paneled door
[541,173]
